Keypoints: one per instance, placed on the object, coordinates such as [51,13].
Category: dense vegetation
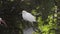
[47,19]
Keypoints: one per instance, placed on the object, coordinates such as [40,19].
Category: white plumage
[28,16]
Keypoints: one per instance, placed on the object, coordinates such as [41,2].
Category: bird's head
[24,11]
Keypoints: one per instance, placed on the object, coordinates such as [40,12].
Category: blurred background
[47,13]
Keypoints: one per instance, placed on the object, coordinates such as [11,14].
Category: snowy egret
[2,21]
[29,17]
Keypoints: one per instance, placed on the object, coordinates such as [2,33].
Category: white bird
[2,21]
[28,16]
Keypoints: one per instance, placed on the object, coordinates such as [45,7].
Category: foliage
[45,29]
[47,21]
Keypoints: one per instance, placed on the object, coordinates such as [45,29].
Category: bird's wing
[30,17]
